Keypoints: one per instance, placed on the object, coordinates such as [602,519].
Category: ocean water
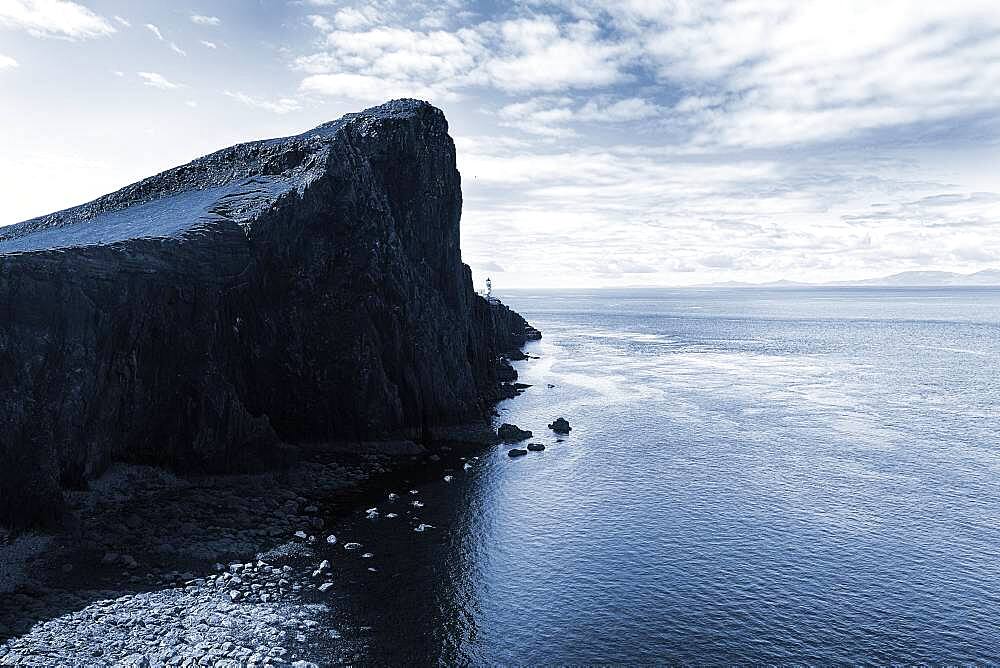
[753,476]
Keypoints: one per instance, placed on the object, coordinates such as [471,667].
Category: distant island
[914,279]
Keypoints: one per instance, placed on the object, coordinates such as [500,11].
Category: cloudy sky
[601,142]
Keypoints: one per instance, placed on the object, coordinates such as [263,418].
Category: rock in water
[512,433]
[302,289]
[516,452]
[535,447]
[560,426]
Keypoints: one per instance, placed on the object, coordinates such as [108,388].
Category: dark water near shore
[753,476]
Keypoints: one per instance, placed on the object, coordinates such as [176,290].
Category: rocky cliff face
[286,291]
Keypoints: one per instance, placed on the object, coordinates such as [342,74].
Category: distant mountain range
[987,277]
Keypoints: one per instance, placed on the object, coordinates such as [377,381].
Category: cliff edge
[296,290]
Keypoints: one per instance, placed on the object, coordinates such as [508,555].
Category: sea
[753,476]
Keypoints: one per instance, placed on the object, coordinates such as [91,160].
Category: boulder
[560,426]
[516,452]
[535,447]
[510,433]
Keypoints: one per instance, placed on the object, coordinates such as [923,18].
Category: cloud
[202,20]
[122,21]
[7,63]
[282,105]
[178,50]
[209,45]
[541,54]
[718,260]
[155,30]
[489,265]
[518,55]
[540,116]
[386,62]
[191,103]
[785,72]
[350,18]
[157,80]
[54,18]
[551,116]
[320,22]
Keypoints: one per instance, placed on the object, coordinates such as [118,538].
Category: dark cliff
[295,290]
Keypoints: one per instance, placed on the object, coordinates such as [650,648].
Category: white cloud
[155,30]
[320,22]
[350,18]
[191,103]
[178,50]
[514,55]
[787,72]
[203,20]
[123,21]
[540,54]
[282,105]
[551,116]
[369,88]
[385,62]
[209,45]
[157,80]
[53,18]
[7,63]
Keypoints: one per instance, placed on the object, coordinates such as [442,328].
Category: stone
[511,433]
[535,447]
[560,426]
[516,452]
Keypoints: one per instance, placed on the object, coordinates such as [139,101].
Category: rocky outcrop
[510,433]
[560,426]
[286,291]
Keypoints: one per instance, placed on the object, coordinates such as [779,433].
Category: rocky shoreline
[216,570]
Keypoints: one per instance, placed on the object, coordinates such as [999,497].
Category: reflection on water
[752,476]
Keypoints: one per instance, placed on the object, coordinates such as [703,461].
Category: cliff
[296,290]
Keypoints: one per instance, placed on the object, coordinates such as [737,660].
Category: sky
[601,142]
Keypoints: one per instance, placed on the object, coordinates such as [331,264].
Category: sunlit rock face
[277,292]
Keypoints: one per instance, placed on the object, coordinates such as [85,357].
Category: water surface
[784,475]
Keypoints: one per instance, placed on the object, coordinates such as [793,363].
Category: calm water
[753,476]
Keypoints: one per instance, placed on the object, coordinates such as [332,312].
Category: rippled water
[752,476]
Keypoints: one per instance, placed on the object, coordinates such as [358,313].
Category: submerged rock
[560,426]
[516,452]
[535,447]
[511,433]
